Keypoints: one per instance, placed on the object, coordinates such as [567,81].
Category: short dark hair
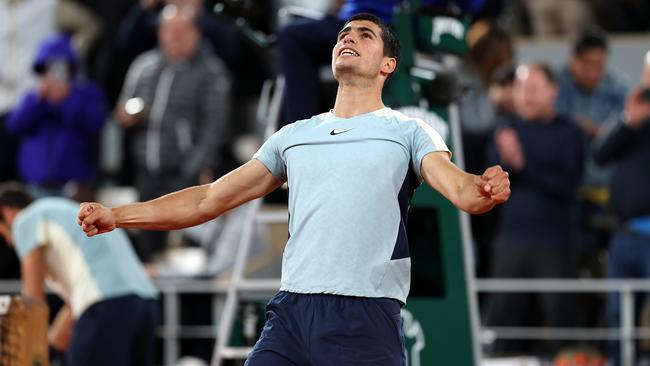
[14,194]
[392,47]
[592,37]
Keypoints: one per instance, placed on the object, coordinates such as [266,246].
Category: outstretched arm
[184,208]
[471,193]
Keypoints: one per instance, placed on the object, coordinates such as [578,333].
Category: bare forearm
[196,205]
[185,208]
[173,211]
[471,193]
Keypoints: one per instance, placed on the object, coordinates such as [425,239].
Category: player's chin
[343,67]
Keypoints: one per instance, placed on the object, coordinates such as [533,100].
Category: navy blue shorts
[116,331]
[330,330]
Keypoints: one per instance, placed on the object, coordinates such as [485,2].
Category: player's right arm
[184,208]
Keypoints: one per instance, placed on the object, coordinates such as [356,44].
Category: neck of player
[354,98]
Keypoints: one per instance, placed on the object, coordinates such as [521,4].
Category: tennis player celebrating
[351,173]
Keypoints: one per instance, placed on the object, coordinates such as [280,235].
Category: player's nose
[348,38]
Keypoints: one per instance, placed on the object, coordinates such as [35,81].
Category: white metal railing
[626,333]
[171,330]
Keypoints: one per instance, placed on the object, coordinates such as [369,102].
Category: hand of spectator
[637,109]
[95,219]
[588,126]
[53,90]
[494,184]
[125,119]
[509,148]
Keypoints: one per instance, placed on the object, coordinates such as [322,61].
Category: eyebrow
[360,29]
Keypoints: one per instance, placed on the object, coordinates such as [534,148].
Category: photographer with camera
[628,145]
[57,123]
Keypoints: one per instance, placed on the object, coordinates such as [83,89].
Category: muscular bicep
[33,273]
[441,174]
[249,181]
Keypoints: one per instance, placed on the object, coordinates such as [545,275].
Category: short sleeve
[270,154]
[28,233]
[425,140]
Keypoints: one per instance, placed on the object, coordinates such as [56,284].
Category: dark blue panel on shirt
[411,182]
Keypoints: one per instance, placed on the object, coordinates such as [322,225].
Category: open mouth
[348,52]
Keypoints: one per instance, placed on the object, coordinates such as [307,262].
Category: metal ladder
[267,114]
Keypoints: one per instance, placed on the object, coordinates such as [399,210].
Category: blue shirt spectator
[592,95]
[58,121]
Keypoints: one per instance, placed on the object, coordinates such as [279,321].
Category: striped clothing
[188,111]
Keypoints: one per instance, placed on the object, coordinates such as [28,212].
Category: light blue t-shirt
[82,270]
[350,185]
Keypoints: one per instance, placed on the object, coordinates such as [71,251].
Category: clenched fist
[95,219]
[494,184]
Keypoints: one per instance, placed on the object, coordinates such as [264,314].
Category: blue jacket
[57,141]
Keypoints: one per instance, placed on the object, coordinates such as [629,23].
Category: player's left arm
[33,273]
[474,194]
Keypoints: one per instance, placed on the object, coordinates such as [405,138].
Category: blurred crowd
[179,81]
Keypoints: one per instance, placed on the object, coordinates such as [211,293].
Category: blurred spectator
[176,100]
[541,150]
[103,63]
[81,23]
[24,25]
[628,145]
[559,17]
[305,45]
[490,48]
[137,34]
[110,312]
[594,97]
[501,91]
[589,92]
[58,123]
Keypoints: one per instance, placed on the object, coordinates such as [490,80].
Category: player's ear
[389,65]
